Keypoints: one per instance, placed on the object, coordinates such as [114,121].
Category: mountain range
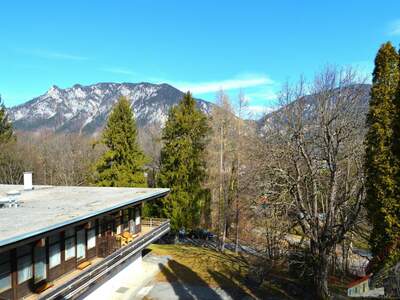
[84,109]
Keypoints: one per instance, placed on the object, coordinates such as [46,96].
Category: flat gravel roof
[51,207]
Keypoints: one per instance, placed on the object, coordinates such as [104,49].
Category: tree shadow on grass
[230,286]
[186,283]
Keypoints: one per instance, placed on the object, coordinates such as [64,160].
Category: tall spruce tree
[382,164]
[183,167]
[122,164]
[6,129]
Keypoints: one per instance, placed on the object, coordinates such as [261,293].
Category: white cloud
[259,109]
[394,27]
[53,54]
[228,84]
[264,94]
[121,71]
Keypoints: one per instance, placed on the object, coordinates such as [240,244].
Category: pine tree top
[6,128]
[123,162]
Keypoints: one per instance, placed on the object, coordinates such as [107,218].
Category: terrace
[78,282]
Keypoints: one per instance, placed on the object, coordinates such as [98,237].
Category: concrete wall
[116,280]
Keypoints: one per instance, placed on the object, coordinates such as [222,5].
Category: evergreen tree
[123,162]
[183,167]
[6,129]
[383,198]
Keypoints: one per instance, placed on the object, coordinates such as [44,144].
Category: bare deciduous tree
[314,161]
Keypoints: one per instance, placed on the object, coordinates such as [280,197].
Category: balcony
[80,281]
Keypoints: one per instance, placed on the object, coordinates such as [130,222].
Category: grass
[201,261]
[200,266]
[192,265]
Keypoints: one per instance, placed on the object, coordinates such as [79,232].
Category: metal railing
[151,222]
[91,275]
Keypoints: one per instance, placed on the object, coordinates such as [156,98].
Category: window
[125,219]
[118,223]
[39,257]
[69,243]
[132,220]
[70,232]
[80,242]
[54,255]
[24,265]
[69,248]
[54,250]
[5,272]
[91,238]
[137,220]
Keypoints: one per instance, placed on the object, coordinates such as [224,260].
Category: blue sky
[196,45]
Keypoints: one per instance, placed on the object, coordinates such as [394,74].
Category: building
[361,288]
[59,242]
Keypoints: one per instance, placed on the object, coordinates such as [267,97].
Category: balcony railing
[92,275]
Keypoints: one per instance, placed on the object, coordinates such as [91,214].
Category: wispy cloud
[394,27]
[53,54]
[259,109]
[262,95]
[228,84]
[120,71]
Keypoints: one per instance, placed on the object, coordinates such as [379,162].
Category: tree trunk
[237,226]
[321,276]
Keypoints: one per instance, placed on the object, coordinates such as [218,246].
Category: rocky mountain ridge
[84,109]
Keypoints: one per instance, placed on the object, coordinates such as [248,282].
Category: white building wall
[119,279]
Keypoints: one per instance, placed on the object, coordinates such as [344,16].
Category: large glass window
[5,272]
[40,264]
[24,265]
[91,238]
[137,220]
[80,241]
[54,250]
[69,243]
[118,226]
[54,255]
[125,219]
[132,227]
[69,248]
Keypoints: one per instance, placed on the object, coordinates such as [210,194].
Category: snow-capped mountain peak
[85,109]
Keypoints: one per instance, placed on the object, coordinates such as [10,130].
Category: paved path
[128,283]
[175,291]
[138,281]
[154,290]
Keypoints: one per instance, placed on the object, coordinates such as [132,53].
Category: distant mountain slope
[363,105]
[85,109]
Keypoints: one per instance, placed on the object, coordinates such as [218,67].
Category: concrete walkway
[176,291]
[138,281]
[129,282]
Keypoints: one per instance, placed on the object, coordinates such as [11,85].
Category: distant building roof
[358,281]
[50,207]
